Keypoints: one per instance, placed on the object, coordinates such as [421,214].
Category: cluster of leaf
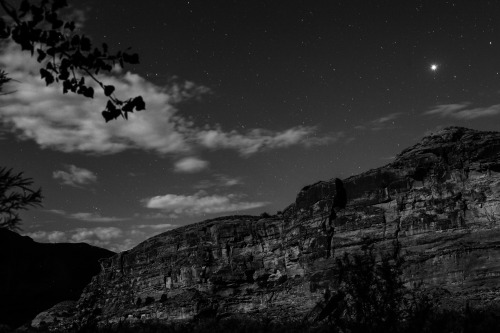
[66,56]
[15,195]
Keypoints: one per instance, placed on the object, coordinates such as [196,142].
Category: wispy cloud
[382,123]
[87,216]
[463,111]
[258,140]
[190,165]
[156,226]
[50,236]
[99,236]
[218,181]
[101,233]
[113,238]
[200,203]
[75,176]
[71,123]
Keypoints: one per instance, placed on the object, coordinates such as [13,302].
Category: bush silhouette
[16,194]
[371,296]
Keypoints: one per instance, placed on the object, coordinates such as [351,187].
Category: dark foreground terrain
[36,276]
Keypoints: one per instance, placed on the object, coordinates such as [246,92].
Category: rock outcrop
[35,276]
[439,198]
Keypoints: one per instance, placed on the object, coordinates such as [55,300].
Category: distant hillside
[35,276]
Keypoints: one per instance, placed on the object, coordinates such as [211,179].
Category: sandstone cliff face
[35,276]
[440,198]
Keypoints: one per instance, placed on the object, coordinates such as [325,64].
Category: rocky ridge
[440,198]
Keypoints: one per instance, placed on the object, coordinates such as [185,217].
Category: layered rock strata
[439,198]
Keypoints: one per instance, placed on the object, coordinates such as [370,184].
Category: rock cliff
[440,198]
[35,276]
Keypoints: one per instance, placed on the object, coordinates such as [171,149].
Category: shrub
[371,296]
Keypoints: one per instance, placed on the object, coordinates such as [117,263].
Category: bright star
[434,67]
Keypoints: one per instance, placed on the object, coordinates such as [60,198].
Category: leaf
[111,112]
[64,74]
[139,103]
[131,58]
[107,116]
[58,4]
[57,24]
[85,44]
[110,106]
[45,74]
[75,41]
[24,8]
[89,92]
[51,52]
[108,90]
[41,55]
[4,29]
[70,26]
[128,107]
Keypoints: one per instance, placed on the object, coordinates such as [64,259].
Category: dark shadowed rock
[440,198]
[35,276]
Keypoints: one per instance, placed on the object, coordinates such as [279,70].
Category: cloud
[200,203]
[387,118]
[382,123]
[75,176]
[190,165]
[72,123]
[258,140]
[87,217]
[50,236]
[101,233]
[462,111]
[77,235]
[113,238]
[219,181]
[156,226]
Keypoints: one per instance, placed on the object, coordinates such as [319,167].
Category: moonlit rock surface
[440,198]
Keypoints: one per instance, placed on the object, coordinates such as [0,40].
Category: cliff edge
[440,198]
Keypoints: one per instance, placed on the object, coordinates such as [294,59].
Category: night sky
[247,102]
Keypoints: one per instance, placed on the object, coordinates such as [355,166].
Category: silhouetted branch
[15,194]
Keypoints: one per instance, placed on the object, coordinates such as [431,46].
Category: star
[434,67]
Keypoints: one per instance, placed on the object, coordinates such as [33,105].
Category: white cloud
[387,118]
[257,140]
[200,203]
[75,176]
[101,233]
[95,217]
[156,226]
[72,123]
[56,236]
[112,238]
[190,165]
[463,111]
[382,123]
[50,236]
[219,181]
[87,217]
